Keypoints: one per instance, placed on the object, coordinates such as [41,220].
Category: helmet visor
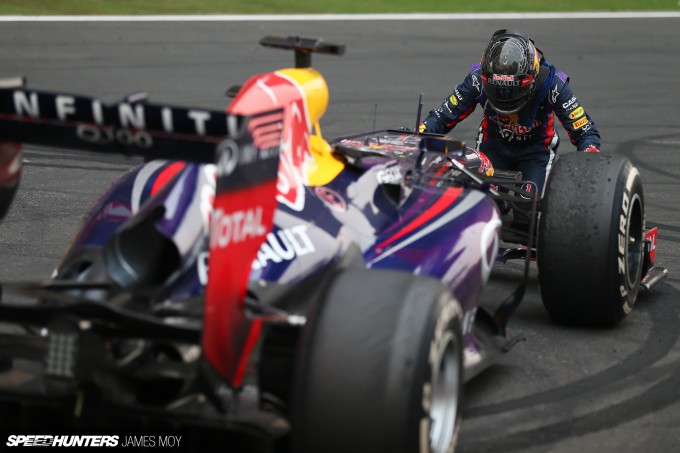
[508,94]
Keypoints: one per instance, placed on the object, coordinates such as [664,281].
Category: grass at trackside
[68,7]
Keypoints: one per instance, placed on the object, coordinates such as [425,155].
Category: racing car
[252,277]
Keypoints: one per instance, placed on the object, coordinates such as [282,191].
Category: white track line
[346,17]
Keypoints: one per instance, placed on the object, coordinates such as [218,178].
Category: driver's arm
[576,121]
[458,106]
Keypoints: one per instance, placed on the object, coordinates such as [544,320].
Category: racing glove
[591,149]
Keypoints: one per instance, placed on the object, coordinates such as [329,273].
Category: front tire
[380,367]
[590,239]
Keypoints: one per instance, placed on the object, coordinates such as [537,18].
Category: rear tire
[590,239]
[380,367]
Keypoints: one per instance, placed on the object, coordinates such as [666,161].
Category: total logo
[235,227]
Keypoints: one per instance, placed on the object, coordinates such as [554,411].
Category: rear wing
[245,150]
[128,127]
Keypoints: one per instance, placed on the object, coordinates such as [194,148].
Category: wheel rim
[634,247]
[445,388]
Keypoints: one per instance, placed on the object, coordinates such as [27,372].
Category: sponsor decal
[103,136]
[453,100]
[281,89]
[570,104]
[553,95]
[504,78]
[528,187]
[510,128]
[295,157]
[580,123]
[231,155]
[475,83]
[96,119]
[623,227]
[284,245]
[128,115]
[235,227]
[331,198]
[389,175]
[576,113]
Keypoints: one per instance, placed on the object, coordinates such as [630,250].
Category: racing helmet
[510,65]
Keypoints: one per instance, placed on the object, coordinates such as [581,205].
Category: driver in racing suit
[521,93]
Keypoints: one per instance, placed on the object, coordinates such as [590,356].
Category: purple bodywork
[398,221]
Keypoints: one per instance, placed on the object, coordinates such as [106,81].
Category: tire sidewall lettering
[628,200]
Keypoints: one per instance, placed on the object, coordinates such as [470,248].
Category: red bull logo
[281,89]
[295,157]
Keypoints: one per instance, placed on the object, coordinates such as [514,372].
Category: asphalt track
[560,389]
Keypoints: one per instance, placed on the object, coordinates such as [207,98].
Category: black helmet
[510,65]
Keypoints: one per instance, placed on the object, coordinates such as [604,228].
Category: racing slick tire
[590,239]
[380,367]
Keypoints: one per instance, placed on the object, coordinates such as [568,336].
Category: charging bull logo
[281,90]
[295,158]
[510,128]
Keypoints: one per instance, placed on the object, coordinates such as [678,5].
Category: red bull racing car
[252,277]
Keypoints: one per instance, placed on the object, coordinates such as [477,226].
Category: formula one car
[252,277]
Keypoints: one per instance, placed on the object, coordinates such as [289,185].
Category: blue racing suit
[526,141]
